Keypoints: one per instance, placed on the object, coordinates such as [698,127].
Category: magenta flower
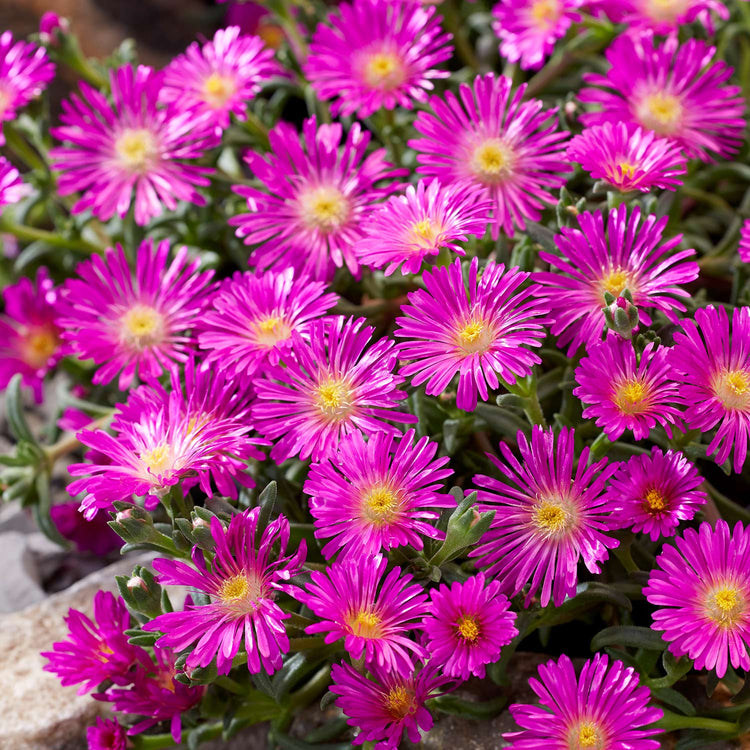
[132,150]
[93,536]
[604,707]
[377,54]
[377,495]
[623,392]
[744,247]
[628,254]
[468,625]
[316,196]
[476,336]
[156,695]
[96,651]
[193,434]
[134,322]
[219,77]
[385,707]
[652,493]
[529,29]
[243,580]
[490,138]
[29,332]
[701,588]
[331,387]
[373,612]
[664,17]
[252,316]
[12,188]
[106,734]
[672,89]
[25,71]
[408,228]
[711,363]
[550,511]
[628,157]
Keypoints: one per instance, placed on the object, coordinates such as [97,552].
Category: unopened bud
[136,582]
[50,25]
[621,314]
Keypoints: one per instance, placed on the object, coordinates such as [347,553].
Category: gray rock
[19,586]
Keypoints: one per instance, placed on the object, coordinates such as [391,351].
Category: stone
[37,712]
[20,586]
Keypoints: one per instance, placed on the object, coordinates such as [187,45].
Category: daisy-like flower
[133,323]
[377,494]
[490,138]
[29,332]
[627,254]
[664,16]
[193,434]
[317,194]
[628,157]
[468,625]
[701,588]
[156,695]
[744,247]
[604,707]
[408,228]
[673,89]
[242,579]
[221,76]
[373,612]
[25,71]
[131,150]
[252,316]
[529,29]
[106,734]
[476,335]
[12,188]
[711,362]
[652,493]
[550,511]
[331,387]
[385,707]
[625,392]
[377,54]
[96,651]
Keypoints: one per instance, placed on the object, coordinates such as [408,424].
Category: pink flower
[12,188]
[106,734]
[130,151]
[744,247]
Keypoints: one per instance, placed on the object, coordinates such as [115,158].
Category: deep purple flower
[130,151]
[12,187]
[550,512]
[477,336]
[604,707]
[106,734]
[744,247]
[243,580]
[468,625]
[701,588]
[93,535]
[490,138]
[377,494]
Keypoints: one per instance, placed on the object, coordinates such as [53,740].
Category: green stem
[671,721]
[32,234]
[625,556]
[69,441]
[289,24]
[157,741]
[18,144]
[454,24]
[533,409]
[254,126]
[312,689]
[306,644]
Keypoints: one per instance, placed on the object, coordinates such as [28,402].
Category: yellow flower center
[5,100]
[615,282]
[475,337]
[424,235]
[627,169]
[380,506]
[630,397]
[399,702]
[269,331]
[136,149]
[492,160]
[468,628]
[324,209]
[551,518]
[333,399]
[240,592]
[732,388]
[165,679]
[158,459]
[587,736]
[384,70]
[654,502]
[142,326]
[545,13]
[664,10]
[726,606]
[218,89]
[366,624]
[661,112]
[38,345]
